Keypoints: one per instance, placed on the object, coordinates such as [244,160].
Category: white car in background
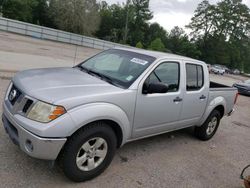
[217,69]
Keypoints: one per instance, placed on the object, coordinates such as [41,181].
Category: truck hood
[62,85]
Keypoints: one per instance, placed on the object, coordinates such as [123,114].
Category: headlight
[44,112]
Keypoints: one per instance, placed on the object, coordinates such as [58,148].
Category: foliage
[125,23]
[139,45]
[155,31]
[157,45]
[222,32]
[41,14]
[77,16]
[178,42]
[112,22]
[138,25]
[19,9]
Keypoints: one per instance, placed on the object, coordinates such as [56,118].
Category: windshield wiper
[83,68]
[104,77]
[99,75]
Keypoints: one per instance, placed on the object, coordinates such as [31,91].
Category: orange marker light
[57,112]
[52,117]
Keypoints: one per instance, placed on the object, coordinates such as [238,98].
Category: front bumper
[31,144]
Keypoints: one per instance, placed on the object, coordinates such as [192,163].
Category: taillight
[236,97]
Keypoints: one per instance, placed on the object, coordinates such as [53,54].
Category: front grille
[19,102]
[27,105]
[14,95]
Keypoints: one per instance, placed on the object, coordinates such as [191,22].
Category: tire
[82,146]
[209,127]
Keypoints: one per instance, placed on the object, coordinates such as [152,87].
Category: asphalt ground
[174,160]
[19,52]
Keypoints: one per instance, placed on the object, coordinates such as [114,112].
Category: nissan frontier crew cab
[81,115]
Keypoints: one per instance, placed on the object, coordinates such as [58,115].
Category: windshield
[118,67]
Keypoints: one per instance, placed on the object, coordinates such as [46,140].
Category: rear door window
[194,77]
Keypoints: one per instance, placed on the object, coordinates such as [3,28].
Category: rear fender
[218,101]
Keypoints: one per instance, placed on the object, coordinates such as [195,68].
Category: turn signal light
[59,110]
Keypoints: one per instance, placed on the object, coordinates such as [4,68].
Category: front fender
[88,113]
[217,101]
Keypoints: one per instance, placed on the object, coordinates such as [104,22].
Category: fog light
[28,145]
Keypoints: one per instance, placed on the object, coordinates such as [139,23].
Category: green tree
[157,45]
[155,31]
[1,6]
[139,24]
[112,22]
[77,16]
[106,22]
[232,19]
[203,21]
[124,23]
[139,45]
[41,14]
[179,43]
[221,32]
[21,10]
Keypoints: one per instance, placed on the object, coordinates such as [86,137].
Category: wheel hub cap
[91,154]
[212,126]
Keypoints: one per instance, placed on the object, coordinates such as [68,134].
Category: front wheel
[209,128]
[89,152]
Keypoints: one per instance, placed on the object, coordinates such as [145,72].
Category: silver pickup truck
[81,115]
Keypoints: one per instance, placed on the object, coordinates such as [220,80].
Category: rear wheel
[89,152]
[209,128]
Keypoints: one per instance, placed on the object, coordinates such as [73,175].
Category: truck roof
[159,55]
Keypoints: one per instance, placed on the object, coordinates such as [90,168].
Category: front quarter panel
[86,114]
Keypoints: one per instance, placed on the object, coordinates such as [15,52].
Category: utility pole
[126,23]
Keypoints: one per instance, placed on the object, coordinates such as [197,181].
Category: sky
[170,13]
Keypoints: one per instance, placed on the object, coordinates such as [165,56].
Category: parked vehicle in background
[227,70]
[243,87]
[236,71]
[82,114]
[216,69]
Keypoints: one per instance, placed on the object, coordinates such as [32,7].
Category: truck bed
[214,86]
[223,92]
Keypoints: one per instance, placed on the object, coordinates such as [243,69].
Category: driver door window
[156,113]
[167,73]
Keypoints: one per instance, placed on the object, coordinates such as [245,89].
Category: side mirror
[155,88]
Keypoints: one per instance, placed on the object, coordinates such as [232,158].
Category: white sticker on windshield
[139,61]
[129,78]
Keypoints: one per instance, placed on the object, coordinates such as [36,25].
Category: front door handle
[177,99]
[203,97]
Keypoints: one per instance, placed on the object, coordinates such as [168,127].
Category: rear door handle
[203,97]
[177,99]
